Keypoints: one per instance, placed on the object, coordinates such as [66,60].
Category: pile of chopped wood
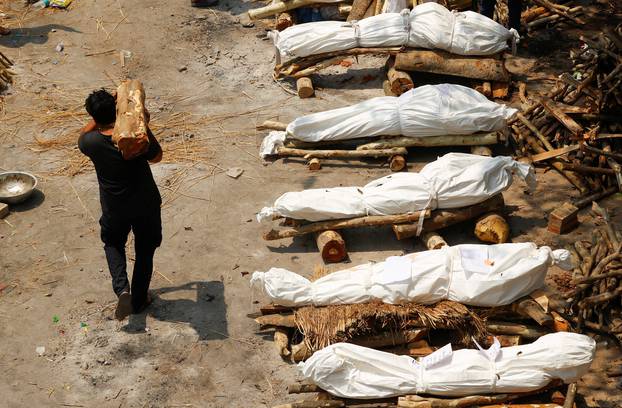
[544,13]
[597,298]
[575,128]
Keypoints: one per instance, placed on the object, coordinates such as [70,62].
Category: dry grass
[322,326]
[58,114]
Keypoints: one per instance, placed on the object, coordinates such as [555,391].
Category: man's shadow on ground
[206,314]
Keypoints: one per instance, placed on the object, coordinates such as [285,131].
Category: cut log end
[492,228]
[283,21]
[481,151]
[315,164]
[332,246]
[304,86]
[397,163]
[432,240]
[563,219]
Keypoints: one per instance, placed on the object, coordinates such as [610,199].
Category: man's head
[101,105]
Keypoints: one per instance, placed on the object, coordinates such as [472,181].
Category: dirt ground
[208,81]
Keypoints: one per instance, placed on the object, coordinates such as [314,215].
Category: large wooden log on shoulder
[130,128]
[442,62]
[444,218]
[476,139]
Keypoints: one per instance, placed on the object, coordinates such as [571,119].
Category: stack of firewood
[575,128]
[544,13]
[597,298]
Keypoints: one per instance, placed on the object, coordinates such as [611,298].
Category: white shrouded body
[429,110]
[350,371]
[428,25]
[477,275]
[452,181]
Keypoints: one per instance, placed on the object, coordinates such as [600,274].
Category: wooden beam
[476,139]
[368,221]
[443,218]
[564,119]
[326,154]
[551,154]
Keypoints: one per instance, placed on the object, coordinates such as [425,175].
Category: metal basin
[16,186]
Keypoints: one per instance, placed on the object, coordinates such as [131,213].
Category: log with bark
[399,81]
[444,218]
[130,128]
[341,154]
[492,228]
[368,221]
[442,62]
[476,139]
[332,246]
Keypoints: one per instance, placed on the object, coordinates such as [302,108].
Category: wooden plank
[557,113]
[554,153]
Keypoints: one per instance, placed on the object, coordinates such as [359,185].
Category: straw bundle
[322,326]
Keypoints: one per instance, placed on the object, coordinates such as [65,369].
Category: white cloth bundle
[429,110]
[477,275]
[428,25]
[351,371]
[452,181]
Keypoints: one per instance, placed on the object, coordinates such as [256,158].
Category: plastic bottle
[41,4]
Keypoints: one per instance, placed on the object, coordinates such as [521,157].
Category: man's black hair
[102,106]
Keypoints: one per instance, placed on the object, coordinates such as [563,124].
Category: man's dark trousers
[487,8]
[147,229]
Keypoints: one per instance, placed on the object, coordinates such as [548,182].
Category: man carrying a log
[129,199]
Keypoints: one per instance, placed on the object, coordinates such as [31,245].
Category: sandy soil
[195,347]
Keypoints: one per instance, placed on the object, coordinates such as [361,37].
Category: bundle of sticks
[575,128]
[6,76]
[597,297]
[550,396]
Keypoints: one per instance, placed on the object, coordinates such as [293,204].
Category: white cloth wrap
[477,275]
[350,371]
[429,110]
[430,26]
[452,181]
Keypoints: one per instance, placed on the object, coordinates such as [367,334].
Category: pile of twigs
[597,297]
[542,13]
[579,119]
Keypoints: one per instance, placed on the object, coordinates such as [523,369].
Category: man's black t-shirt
[124,185]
